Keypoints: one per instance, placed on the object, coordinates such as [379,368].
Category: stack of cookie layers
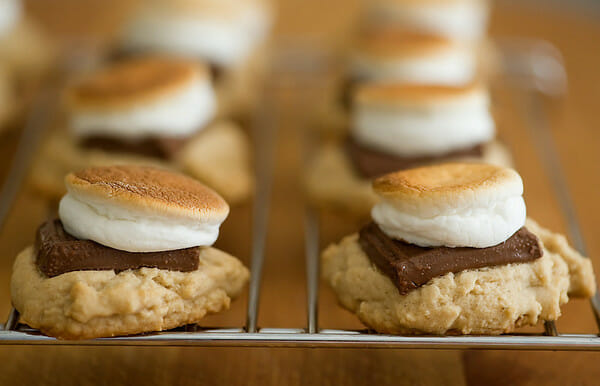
[415,95]
[414,92]
[176,91]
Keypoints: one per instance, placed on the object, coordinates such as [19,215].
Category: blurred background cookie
[130,253]
[146,109]
[397,126]
[231,36]
[395,55]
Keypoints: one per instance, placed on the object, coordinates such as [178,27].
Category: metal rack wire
[537,67]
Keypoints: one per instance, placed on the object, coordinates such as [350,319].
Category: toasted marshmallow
[10,14]
[417,120]
[388,54]
[141,209]
[142,98]
[463,19]
[452,205]
[223,32]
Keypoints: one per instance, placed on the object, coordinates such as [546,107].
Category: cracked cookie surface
[490,300]
[91,304]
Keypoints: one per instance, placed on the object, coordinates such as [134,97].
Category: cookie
[482,301]
[230,35]
[92,304]
[449,250]
[130,253]
[146,110]
[389,54]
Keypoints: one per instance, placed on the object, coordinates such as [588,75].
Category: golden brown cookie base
[92,304]
[482,301]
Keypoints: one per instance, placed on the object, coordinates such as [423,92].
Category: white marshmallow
[224,41]
[416,131]
[456,20]
[487,219]
[10,14]
[453,65]
[130,230]
[177,114]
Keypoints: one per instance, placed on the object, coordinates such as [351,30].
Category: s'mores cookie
[392,55]
[131,253]
[396,126]
[230,35]
[148,110]
[455,19]
[450,251]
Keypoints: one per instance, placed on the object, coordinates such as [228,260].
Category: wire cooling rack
[535,66]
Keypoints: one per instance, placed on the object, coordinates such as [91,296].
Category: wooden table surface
[283,291]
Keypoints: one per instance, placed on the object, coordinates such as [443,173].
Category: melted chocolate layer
[371,163]
[158,147]
[410,266]
[58,252]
